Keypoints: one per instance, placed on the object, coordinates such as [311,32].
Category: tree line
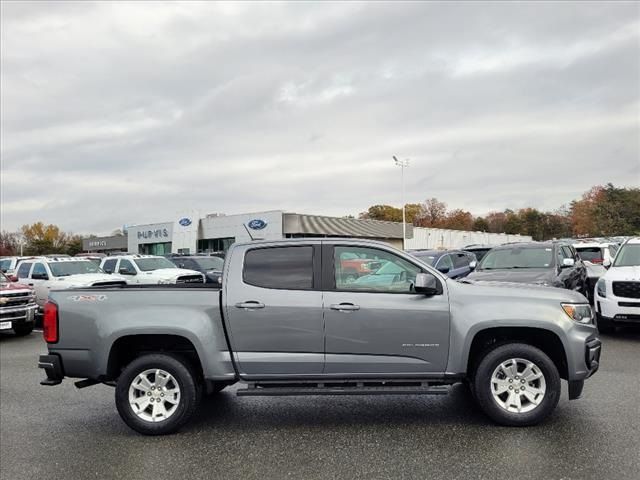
[40,239]
[603,210]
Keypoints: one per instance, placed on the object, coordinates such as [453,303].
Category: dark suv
[453,263]
[210,266]
[553,264]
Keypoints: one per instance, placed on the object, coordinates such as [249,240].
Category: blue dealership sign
[185,222]
[257,224]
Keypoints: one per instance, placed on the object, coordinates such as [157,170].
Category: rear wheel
[23,329]
[517,385]
[157,394]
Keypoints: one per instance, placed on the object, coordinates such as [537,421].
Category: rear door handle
[345,307]
[250,305]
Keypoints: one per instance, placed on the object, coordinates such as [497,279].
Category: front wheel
[517,385]
[157,394]
[23,329]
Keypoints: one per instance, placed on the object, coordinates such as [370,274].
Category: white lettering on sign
[98,243]
[158,233]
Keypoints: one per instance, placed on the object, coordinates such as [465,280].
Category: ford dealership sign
[257,224]
[185,222]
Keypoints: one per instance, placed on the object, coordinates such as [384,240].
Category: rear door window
[23,270]
[460,260]
[110,265]
[287,268]
[128,266]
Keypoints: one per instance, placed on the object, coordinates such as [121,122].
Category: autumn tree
[434,213]
[458,220]
[9,243]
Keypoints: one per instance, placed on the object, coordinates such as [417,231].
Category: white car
[8,265]
[597,257]
[617,293]
[149,269]
[59,273]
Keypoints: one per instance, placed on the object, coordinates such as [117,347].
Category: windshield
[590,254]
[628,256]
[516,257]
[479,253]
[209,263]
[5,264]
[64,269]
[154,263]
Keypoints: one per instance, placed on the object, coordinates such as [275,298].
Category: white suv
[59,273]
[149,269]
[617,293]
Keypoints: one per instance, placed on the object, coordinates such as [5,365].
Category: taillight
[50,323]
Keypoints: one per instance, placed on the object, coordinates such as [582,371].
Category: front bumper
[592,351]
[18,315]
[618,310]
[52,365]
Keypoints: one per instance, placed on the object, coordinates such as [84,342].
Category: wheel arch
[546,340]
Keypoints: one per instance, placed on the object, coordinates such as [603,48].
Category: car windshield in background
[517,258]
[151,264]
[4,280]
[64,269]
[428,259]
[590,254]
[628,256]
[5,264]
[209,263]
[479,253]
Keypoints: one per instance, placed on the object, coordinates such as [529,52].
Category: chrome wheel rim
[518,385]
[154,395]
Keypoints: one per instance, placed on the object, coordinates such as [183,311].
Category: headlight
[601,287]
[579,312]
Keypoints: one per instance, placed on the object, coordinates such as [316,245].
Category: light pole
[402,164]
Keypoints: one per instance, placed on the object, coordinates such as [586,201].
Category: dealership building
[190,232]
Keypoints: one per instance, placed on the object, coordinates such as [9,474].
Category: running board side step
[345,388]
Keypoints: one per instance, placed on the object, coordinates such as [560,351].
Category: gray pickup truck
[287,320]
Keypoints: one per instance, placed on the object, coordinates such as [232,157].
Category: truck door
[377,324]
[274,310]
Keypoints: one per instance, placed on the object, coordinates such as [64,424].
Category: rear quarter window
[23,270]
[288,268]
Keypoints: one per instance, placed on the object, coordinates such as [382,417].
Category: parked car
[617,293]
[45,274]
[454,263]
[285,323]
[149,269]
[17,307]
[9,265]
[597,258]
[211,267]
[479,250]
[354,265]
[551,264]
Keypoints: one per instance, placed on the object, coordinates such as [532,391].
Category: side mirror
[39,276]
[568,262]
[444,269]
[473,264]
[125,271]
[606,263]
[426,284]
[181,265]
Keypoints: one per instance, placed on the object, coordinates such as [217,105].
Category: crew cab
[617,293]
[17,307]
[550,264]
[149,269]
[286,322]
[60,273]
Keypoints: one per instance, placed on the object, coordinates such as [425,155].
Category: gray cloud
[117,113]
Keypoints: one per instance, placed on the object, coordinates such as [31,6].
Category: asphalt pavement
[64,433]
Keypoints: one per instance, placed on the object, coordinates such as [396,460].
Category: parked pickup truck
[286,321]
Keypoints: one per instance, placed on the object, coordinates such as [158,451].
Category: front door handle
[250,305]
[345,307]
[30,284]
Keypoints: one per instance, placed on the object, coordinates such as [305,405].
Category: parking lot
[62,432]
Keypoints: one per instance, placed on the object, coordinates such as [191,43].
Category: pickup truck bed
[286,321]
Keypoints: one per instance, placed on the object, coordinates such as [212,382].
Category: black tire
[482,384]
[605,326]
[23,329]
[186,379]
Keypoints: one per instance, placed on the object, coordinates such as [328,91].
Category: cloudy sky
[115,113]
